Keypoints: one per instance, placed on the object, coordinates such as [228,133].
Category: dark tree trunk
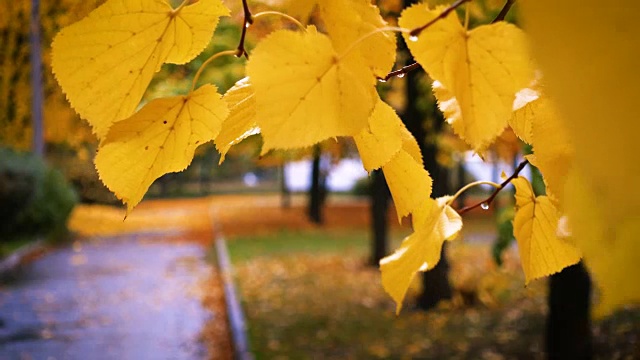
[316,192]
[285,194]
[436,286]
[379,220]
[568,323]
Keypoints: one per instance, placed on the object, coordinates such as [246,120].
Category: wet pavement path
[127,297]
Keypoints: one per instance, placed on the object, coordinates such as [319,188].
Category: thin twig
[401,72]
[455,5]
[489,200]
[505,10]
[248,20]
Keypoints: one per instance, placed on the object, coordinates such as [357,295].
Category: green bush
[35,200]
[362,187]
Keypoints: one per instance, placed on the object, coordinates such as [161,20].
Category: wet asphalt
[130,297]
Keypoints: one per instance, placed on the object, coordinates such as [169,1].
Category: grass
[310,295]
[287,242]
[8,247]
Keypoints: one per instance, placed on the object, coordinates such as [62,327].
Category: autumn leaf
[296,8]
[482,69]
[160,138]
[347,21]
[587,51]
[105,62]
[553,151]
[420,251]
[241,122]
[535,227]
[382,139]
[305,93]
[525,108]
[409,183]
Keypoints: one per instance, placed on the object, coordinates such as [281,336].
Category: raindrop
[413,38]
[382,80]
[484,206]
[401,75]
[247,24]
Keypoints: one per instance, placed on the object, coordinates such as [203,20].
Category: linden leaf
[305,93]
[535,223]
[609,253]
[409,183]
[525,108]
[420,251]
[482,69]
[347,21]
[241,122]
[410,145]
[588,54]
[552,147]
[382,139]
[160,138]
[296,8]
[105,62]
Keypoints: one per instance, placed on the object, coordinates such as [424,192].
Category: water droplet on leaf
[413,38]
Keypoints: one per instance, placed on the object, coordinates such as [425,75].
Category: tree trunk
[436,286]
[285,194]
[316,191]
[379,220]
[568,323]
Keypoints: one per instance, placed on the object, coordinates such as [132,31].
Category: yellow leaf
[105,62]
[410,145]
[552,147]
[241,122]
[349,20]
[535,227]
[409,183]
[296,8]
[525,109]
[305,93]
[611,259]
[420,251]
[588,51]
[160,138]
[382,139]
[482,68]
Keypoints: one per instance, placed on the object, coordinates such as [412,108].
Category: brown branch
[495,193]
[505,10]
[400,72]
[415,32]
[248,20]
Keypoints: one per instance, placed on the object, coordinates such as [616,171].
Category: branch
[485,203]
[400,72]
[505,10]
[248,20]
[415,32]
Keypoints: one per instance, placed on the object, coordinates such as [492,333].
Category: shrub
[35,199]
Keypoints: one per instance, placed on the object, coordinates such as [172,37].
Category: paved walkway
[127,297]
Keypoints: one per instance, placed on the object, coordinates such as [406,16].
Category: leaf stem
[248,20]
[368,35]
[288,17]
[400,72]
[206,62]
[469,186]
[466,17]
[443,14]
[505,10]
[495,193]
